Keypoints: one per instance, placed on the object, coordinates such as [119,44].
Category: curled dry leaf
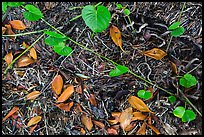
[13,110]
[130,126]
[8,58]
[17,24]
[34,120]
[155,53]
[66,94]
[99,124]
[154,129]
[116,36]
[116,116]
[138,116]
[87,122]
[33,95]
[112,131]
[125,118]
[174,67]
[3,30]
[33,53]
[25,61]
[92,100]
[9,31]
[138,104]
[65,106]
[142,129]
[57,84]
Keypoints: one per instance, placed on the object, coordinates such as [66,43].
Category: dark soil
[111,93]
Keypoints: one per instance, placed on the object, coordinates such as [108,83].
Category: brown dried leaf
[112,131]
[57,84]
[8,58]
[33,95]
[125,117]
[79,108]
[99,124]
[9,31]
[92,100]
[66,94]
[33,53]
[149,120]
[83,132]
[32,128]
[155,53]
[116,116]
[130,126]
[13,110]
[138,116]
[3,30]
[34,120]
[142,129]
[17,24]
[174,67]
[138,104]
[116,36]
[65,106]
[25,61]
[87,122]
[154,129]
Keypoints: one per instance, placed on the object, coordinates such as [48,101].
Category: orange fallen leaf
[57,84]
[33,95]
[99,124]
[149,120]
[66,94]
[78,107]
[34,120]
[116,116]
[9,58]
[25,45]
[83,132]
[3,30]
[155,53]
[142,129]
[87,122]
[130,126]
[33,53]
[138,116]
[92,100]
[138,104]
[125,117]
[65,106]
[174,67]
[9,31]
[154,129]
[112,131]
[116,36]
[25,61]
[32,128]
[17,24]
[13,110]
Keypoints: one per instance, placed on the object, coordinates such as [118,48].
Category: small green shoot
[144,94]
[32,13]
[62,49]
[176,30]
[119,6]
[188,81]
[10,4]
[179,111]
[126,12]
[172,99]
[185,115]
[119,70]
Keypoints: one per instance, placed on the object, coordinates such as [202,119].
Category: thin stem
[7,11]
[182,11]
[27,33]
[23,53]
[97,4]
[130,22]
[78,16]
[169,44]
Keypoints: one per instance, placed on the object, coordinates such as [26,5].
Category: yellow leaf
[116,116]
[154,129]
[13,110]
[116,36]
[57,84]
[125,117]
[155,53]
[8,58]
[142,129]
[33,53]
[138,104]
[34,120]
[25,61]
[66,94]
[138,116]
[87,122]
[17,24]
[33,95]
[130,126]
[3,30]
[65,106]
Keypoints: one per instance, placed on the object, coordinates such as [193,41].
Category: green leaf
[119,70]
[54,34]
[188,116]
[179,111]
[172,99]
[15,4]
[62,49]
[188,81]
[144,94]
[97,20]
[4,6]
[126,12]
[52,41]
[174,25]
[33,13]
[178,31]
[119,6]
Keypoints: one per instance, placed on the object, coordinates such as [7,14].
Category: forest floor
[110,93]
